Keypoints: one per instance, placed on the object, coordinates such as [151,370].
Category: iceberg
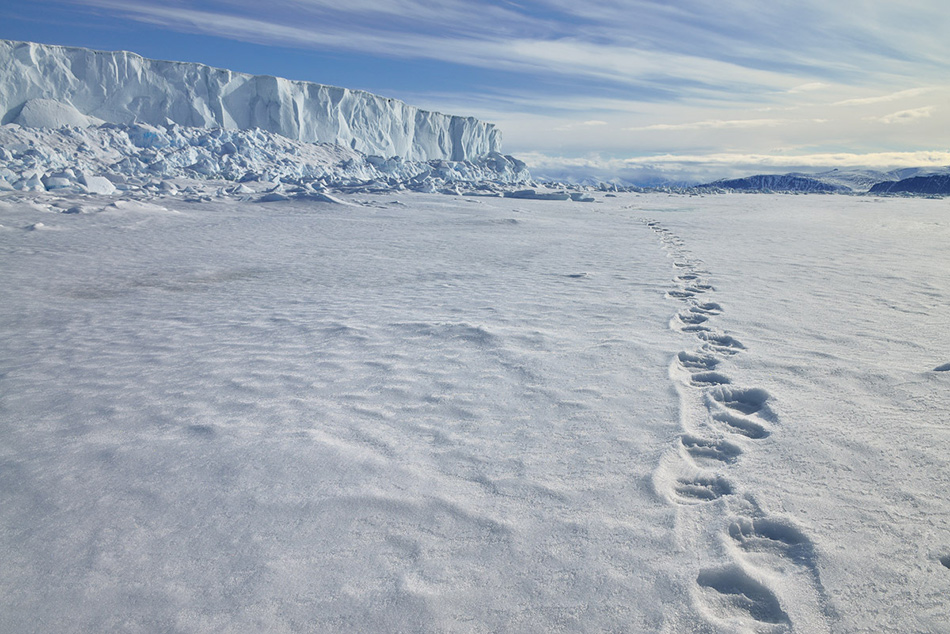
[125,88]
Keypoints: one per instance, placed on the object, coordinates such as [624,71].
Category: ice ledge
[125,88]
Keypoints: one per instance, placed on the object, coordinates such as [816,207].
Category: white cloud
[894,96]
[809,87]
[720,124]
[580,125]
[905,116]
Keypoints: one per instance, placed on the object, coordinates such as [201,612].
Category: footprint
[705,379]
[942,368]
[686,277]
[745,400]
[705,449]
[702,488]
[697,328]
[691,317]
[741,425]
[767,535]
[680,294]
[726,344]
[945,560]
[698,362]
[738,595]
[709,308]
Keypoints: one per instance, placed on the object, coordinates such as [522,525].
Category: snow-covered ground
[426,413]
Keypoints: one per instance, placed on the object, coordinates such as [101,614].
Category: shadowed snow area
[427,413]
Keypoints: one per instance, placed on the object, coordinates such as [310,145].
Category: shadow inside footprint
[690,317]
[710,308]
[679,294]
[945,560]
[740,593]
[942,368]
[741,425]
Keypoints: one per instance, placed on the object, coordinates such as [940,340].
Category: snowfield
[429,413]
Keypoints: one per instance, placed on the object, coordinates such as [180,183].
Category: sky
[687,89]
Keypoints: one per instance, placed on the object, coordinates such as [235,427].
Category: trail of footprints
[720,422]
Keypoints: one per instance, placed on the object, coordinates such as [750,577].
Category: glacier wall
[125,88]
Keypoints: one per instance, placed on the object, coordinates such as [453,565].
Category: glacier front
[125,88]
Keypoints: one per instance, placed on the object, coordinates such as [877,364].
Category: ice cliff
[41,82]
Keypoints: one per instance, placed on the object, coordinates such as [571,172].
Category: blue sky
[690,87]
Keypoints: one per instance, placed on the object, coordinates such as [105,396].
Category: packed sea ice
[430,413]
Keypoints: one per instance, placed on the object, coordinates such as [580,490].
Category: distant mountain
[778,183]
[911,180]
[934,184]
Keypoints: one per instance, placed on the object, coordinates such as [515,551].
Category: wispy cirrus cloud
[494,38]
[894,96]
[690,76]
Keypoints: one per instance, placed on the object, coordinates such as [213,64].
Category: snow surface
[125,88]
[430,413]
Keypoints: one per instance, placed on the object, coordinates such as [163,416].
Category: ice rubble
[63,85]
[139,159]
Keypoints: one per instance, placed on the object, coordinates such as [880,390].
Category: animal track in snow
[736,595]
[705,379]
[680,294]
[705,449]
[696,328]
[702,488]
[767,535]
[708,308]
[697,362]
[741,425]
[722,343]
[691,317]
[745,400]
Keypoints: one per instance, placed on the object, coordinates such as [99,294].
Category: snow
[433,413]
[58,85]
[46,113]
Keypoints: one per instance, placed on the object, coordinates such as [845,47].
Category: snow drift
[125,88]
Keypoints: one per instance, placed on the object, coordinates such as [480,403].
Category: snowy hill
[855,180]
[777,183]
[935,184]
[51,86]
